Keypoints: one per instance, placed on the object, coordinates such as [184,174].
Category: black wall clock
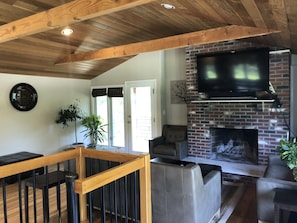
[23,97]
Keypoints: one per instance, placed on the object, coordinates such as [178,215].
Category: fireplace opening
[234,145]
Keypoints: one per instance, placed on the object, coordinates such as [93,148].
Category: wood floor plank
[246,209]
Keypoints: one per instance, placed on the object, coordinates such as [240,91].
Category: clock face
[23,97]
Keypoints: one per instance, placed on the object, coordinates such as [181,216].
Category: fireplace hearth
[234,145]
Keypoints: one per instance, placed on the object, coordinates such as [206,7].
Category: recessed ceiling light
[67,31]
[167,6]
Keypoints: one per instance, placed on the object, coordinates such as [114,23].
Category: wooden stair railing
[87,183]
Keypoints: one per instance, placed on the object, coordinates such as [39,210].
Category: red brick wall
[272,126]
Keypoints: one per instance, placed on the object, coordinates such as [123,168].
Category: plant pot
[77,144]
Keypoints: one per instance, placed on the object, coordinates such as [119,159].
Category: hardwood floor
[246,209]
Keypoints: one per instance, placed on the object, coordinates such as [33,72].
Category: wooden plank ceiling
[109,32]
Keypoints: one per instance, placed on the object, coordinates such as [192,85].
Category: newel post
[145,191]
[81,170]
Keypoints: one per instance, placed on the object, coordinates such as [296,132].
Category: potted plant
[288,153]
[71,114]
[95,129]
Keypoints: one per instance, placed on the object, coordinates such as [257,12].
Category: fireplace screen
[234,145]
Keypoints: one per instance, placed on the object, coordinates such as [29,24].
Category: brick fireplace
[271,126]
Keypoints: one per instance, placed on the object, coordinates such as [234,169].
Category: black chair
[172,144]
[44,182]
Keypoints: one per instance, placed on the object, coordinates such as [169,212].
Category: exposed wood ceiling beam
[69,13]
[195,38]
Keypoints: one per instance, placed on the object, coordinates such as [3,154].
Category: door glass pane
[117,117]
[141,117]
[101,108]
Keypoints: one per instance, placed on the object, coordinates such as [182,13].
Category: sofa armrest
[181,144]
[155,141]
[213,184]
[209,201]
[265,196]
[181,149]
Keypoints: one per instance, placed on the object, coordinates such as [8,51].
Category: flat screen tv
[240,73]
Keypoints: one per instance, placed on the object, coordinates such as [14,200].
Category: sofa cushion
[280,172]
[175,135]
[165,149]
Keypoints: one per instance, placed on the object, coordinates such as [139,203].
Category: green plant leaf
[94,128]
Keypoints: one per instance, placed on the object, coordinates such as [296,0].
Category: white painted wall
[36,130]
[175,69]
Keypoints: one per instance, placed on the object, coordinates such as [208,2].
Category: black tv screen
[242,73]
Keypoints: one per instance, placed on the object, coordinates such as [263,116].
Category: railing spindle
[115,202]
[121,198]
[4,199]
[72,201]
[46,213]
[58,193]
[20,198]
[103,209]
[126,199]
[136,195]
[34,196]
[109,193]
[91,206]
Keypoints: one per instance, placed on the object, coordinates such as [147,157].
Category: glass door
[140,117]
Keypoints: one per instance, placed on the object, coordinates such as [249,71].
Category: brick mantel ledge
[251,170]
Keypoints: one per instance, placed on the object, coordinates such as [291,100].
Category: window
[101,110]
[117,120]
[110,107]
[130,118]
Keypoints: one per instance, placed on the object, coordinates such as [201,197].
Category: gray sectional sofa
[181,193]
